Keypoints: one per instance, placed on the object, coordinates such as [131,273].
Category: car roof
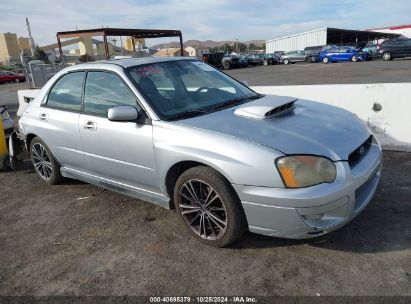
[129,62]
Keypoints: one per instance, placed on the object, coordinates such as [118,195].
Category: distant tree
[39,54]
[86,58]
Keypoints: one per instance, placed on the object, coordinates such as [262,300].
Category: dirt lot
[76,239]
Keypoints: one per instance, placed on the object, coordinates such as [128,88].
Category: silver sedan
[178,133]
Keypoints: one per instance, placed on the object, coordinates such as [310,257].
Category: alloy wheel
[202,209]
[41,161]
[386,56]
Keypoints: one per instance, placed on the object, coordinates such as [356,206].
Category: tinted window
[66,93]
[104,91]
[408,42]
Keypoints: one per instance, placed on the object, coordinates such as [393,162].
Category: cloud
[213,19]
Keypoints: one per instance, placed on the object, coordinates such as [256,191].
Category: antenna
[32,45]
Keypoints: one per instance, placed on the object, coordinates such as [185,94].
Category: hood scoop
[266,107]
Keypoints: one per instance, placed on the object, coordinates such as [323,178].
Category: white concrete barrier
[385,107]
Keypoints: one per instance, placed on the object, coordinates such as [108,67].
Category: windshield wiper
[234,101]
[226,104]
[186,114]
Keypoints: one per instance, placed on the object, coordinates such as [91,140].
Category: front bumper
[317,210]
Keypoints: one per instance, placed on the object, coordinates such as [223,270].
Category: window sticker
[147,70]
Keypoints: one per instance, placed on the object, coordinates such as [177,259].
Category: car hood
[309,128]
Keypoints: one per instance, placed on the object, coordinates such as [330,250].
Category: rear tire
[354,58]
[286,61]
[386,56]
[226,65]
[265,62]
[17,80]
[208,207]
[44,163]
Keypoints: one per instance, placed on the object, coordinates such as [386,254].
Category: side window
[66,92]
[408,42]
[104,91]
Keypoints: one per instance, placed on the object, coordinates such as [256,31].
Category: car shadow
[27,167]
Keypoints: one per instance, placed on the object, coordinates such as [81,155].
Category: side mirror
[244,82]
[122,113]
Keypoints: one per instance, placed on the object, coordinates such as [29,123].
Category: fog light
[313,217]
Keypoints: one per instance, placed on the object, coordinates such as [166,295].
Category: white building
[324,36]
[297,41]
[196,52]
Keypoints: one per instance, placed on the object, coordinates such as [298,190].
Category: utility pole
[30,36]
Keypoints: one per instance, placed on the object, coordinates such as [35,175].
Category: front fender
[240,161]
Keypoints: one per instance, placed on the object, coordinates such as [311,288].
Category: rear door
[333,54]
[58,120]
[121,152]
[397,48]
[300,56]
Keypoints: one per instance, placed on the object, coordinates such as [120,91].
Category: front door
[117,151]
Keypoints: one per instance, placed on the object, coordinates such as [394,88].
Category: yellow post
[3,146]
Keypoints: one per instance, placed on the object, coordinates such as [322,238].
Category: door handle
[44,117]
[90,125]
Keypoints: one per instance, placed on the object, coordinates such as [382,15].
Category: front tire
[286,61]
[265,62]
[17,80]
[226,65]
[326,60]
[44,163]
[354,58]
[386,56]
[208,207]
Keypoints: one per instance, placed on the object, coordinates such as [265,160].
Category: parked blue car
[342,54]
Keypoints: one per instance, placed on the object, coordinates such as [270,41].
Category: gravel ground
[76,239]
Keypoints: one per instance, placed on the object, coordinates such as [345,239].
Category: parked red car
[6,76]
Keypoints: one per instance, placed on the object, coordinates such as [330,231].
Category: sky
[200,19]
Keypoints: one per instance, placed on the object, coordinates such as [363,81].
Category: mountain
[203,44]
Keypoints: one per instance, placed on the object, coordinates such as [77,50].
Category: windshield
[188,87]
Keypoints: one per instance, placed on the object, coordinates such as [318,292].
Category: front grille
[358,154]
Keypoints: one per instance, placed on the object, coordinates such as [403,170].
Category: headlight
[304,170]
